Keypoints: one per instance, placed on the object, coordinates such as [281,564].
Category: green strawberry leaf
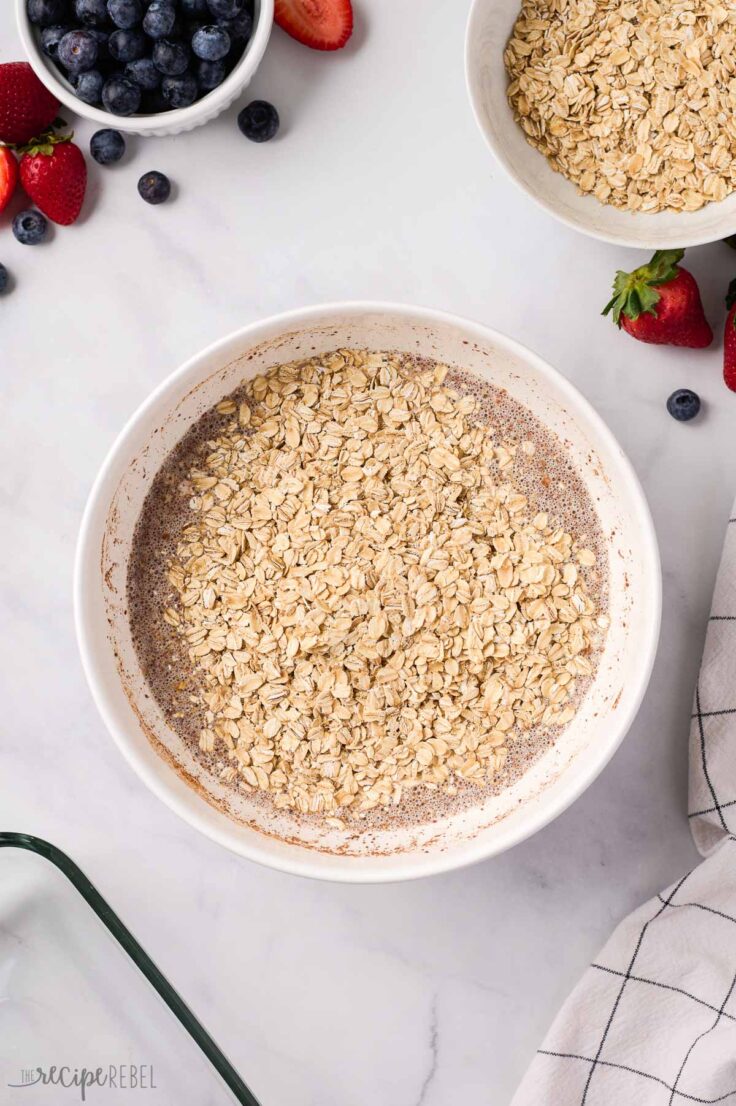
[635,293]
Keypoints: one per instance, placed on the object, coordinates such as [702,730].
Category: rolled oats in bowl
[365,585]
[634,102]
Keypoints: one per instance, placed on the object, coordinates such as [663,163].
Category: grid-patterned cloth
[653,1021]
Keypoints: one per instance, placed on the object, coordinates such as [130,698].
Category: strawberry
[26,106]
[660,303]
[54,175]
[321,24]
[8,176]
[729,339]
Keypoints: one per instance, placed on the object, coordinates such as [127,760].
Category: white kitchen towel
[653,1021]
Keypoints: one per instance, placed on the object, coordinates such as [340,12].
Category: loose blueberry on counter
[210,74]
[50,39]
[121,96]
[30,227]
[259,121]
[683,405]
[46,13]
[171,57]
[158,22]
[144,73]
[125,13]
[78,51]
[127,46]
[225,9]
[92,13]
[4,277]
[88,86]
[180,92]
[107,146]
[154,187]
[211,43]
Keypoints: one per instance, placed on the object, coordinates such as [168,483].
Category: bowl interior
[164,761]
[168,122]
[489,27]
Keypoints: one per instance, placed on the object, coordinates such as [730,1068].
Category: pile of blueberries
[143,56]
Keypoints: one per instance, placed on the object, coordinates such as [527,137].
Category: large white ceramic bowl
[166,122]
[161,758]
[489,27]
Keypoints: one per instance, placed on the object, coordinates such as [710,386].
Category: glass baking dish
[85,1014]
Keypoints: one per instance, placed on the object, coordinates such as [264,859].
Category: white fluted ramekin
[165,122]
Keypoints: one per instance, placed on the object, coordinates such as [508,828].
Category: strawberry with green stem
[54,174]
[660,303]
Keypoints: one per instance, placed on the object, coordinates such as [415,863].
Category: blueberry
[50,39]
[211,43]
[46,13]
[154,187]
[259,121]
[194,9]
[683,405]
[171,57]
[78,51]
[30,227]
[144,73]
[4,277]
[121,96]
[88,86]
[125,13]
[225,9]
[107,146]
[210,74]
[127,45]
[180,92]
[92,13]
[158,22]
[239,28]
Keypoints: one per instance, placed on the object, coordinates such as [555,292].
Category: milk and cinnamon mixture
[168,612]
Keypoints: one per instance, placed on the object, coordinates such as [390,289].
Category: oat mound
[367,601]
[633,102]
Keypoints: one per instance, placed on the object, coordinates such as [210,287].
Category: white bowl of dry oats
[367,592]
[617,118]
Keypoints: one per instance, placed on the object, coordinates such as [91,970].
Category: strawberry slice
[320,24]
[8,176]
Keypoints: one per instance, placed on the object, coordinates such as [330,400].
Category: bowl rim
[303,861]
[218,99]
[640,241]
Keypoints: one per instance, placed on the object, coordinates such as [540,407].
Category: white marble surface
[379,186]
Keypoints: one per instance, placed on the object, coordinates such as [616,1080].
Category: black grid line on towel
[644,1075]
[711,809]
[704,759]
[665,987]
[699,1038]
[701,906]
[597,1058]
